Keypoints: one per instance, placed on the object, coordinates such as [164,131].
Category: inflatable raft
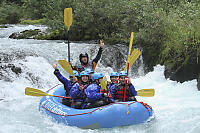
[112,115]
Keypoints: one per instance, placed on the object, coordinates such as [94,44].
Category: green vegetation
[182,35]
[9,13]
[3,26]
[33,22]
[167,30]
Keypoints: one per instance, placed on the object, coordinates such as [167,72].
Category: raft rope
[53,87]
[146,106]
[99,108]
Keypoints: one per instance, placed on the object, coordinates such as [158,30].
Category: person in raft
[83,57]
[94,97]
[90,71]
[114,77]
[66,82]
[77,91]
[117,90]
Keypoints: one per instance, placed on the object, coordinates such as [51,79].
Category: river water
[176,105]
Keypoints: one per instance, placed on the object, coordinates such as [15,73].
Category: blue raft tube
[112,115]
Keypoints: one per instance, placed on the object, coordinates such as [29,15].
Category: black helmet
[83,55]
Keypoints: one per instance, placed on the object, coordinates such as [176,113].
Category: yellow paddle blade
[130,45]
[134,55]
[68,17]
[35,92]
[103,83]
[146,92]
[67,67]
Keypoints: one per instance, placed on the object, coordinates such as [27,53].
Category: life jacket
[67,90]
[105,91]
[82,96]
[109,84]
[94,65]
[81,67]
[119,94]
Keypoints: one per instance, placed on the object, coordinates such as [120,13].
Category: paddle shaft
[35,92]
[130,46]
[67,67]
[68,46]
[61,96]
[79,83]
[68,22]
[126,82]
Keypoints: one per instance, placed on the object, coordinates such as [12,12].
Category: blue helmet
[97,76]
[100,75]
[123,73]
[76,74]
[89,70]
[94,76]
[84,73]
[114,74]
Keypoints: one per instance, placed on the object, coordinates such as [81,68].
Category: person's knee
[88,106]
[99,103]
[133,99]
[78,105]
[66,102]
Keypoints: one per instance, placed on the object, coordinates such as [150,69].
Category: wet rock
[150,56]
[114,57]
[16,70]
[27,34]
[180,64]
[8,70]
[3,26]
[17,55]
[198,83]
[185,68]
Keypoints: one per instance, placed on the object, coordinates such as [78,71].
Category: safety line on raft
[99,108]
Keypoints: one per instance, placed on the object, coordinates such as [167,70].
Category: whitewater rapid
[176,105]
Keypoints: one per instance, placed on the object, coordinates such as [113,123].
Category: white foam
[176,105]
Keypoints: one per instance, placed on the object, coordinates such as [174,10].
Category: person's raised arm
[97,58]
[60,77]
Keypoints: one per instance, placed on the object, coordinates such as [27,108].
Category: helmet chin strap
[84,63]
[122,83]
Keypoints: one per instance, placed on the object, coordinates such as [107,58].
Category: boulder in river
[27,34]
[198,83]
[3,26]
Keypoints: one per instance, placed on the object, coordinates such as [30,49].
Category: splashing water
[176,105]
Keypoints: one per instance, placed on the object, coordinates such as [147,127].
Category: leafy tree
[9,13]
[34,9]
